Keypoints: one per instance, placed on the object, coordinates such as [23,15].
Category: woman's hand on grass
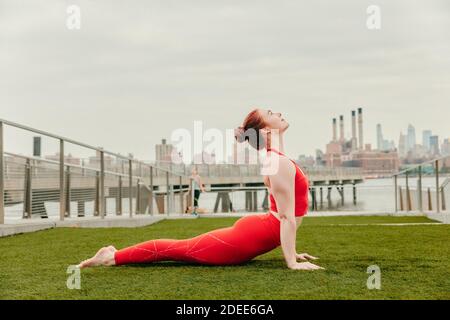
[305,257]
[307,266]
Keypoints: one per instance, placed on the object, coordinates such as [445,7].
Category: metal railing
[242,170]
[411,198]
[30,184]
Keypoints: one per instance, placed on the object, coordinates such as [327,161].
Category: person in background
[198,187]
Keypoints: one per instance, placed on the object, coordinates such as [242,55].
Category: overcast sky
[137,70]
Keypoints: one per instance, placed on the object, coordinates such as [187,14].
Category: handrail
[418,166]
[236,188]
[81,144]
[67,164]
[86,167]
[438,186]
[48,134]
[64,177]
[218,169]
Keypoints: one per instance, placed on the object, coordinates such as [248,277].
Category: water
[376,195]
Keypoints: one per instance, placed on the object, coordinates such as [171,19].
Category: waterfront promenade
[112,190]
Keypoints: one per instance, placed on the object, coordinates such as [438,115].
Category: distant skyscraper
[382,144]
[320,158]
[411,138]
[379,138]
[426,134]
[388,145]
[402,145]
[392,145]
[164,151]
[445,149]
[434,145]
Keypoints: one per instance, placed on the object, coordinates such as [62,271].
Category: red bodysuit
[249,237]
[301,191]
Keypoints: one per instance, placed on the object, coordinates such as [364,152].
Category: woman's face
[274,120]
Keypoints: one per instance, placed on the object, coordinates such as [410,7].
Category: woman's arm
[201,184]
[283,188]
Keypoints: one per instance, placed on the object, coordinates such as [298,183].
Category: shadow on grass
[266,264]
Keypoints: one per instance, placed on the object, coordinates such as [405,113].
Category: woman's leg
[196,198]
[246,239]
[207,248]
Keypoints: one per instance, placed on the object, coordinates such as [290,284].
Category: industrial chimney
[341,125]
[354,139]
[360,129]
[334,130]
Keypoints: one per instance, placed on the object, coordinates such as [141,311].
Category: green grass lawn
[414,262]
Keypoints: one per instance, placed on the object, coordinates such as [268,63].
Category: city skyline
[125,86]
[50,149]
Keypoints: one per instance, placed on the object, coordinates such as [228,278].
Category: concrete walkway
[18,226]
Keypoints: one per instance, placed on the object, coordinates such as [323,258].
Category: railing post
[102,185]
[119,198]
[168,193]
[191,182]
[419,190]
[62,205]
[150,206]
[181,195]
[130,183]
[396,193]
[430,205]
[408,196]
[354,195]
[438,209]
[97,194]
[27,207]
[68,199]
[2,177]
[138,197]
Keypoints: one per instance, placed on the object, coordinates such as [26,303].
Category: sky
[136,71]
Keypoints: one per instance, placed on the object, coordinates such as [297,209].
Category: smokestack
[354,139]
[334,130]
[360,129]
[341,124]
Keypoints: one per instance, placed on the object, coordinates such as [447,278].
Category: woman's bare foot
[104,257]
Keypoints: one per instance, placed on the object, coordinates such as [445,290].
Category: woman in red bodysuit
[250,236]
